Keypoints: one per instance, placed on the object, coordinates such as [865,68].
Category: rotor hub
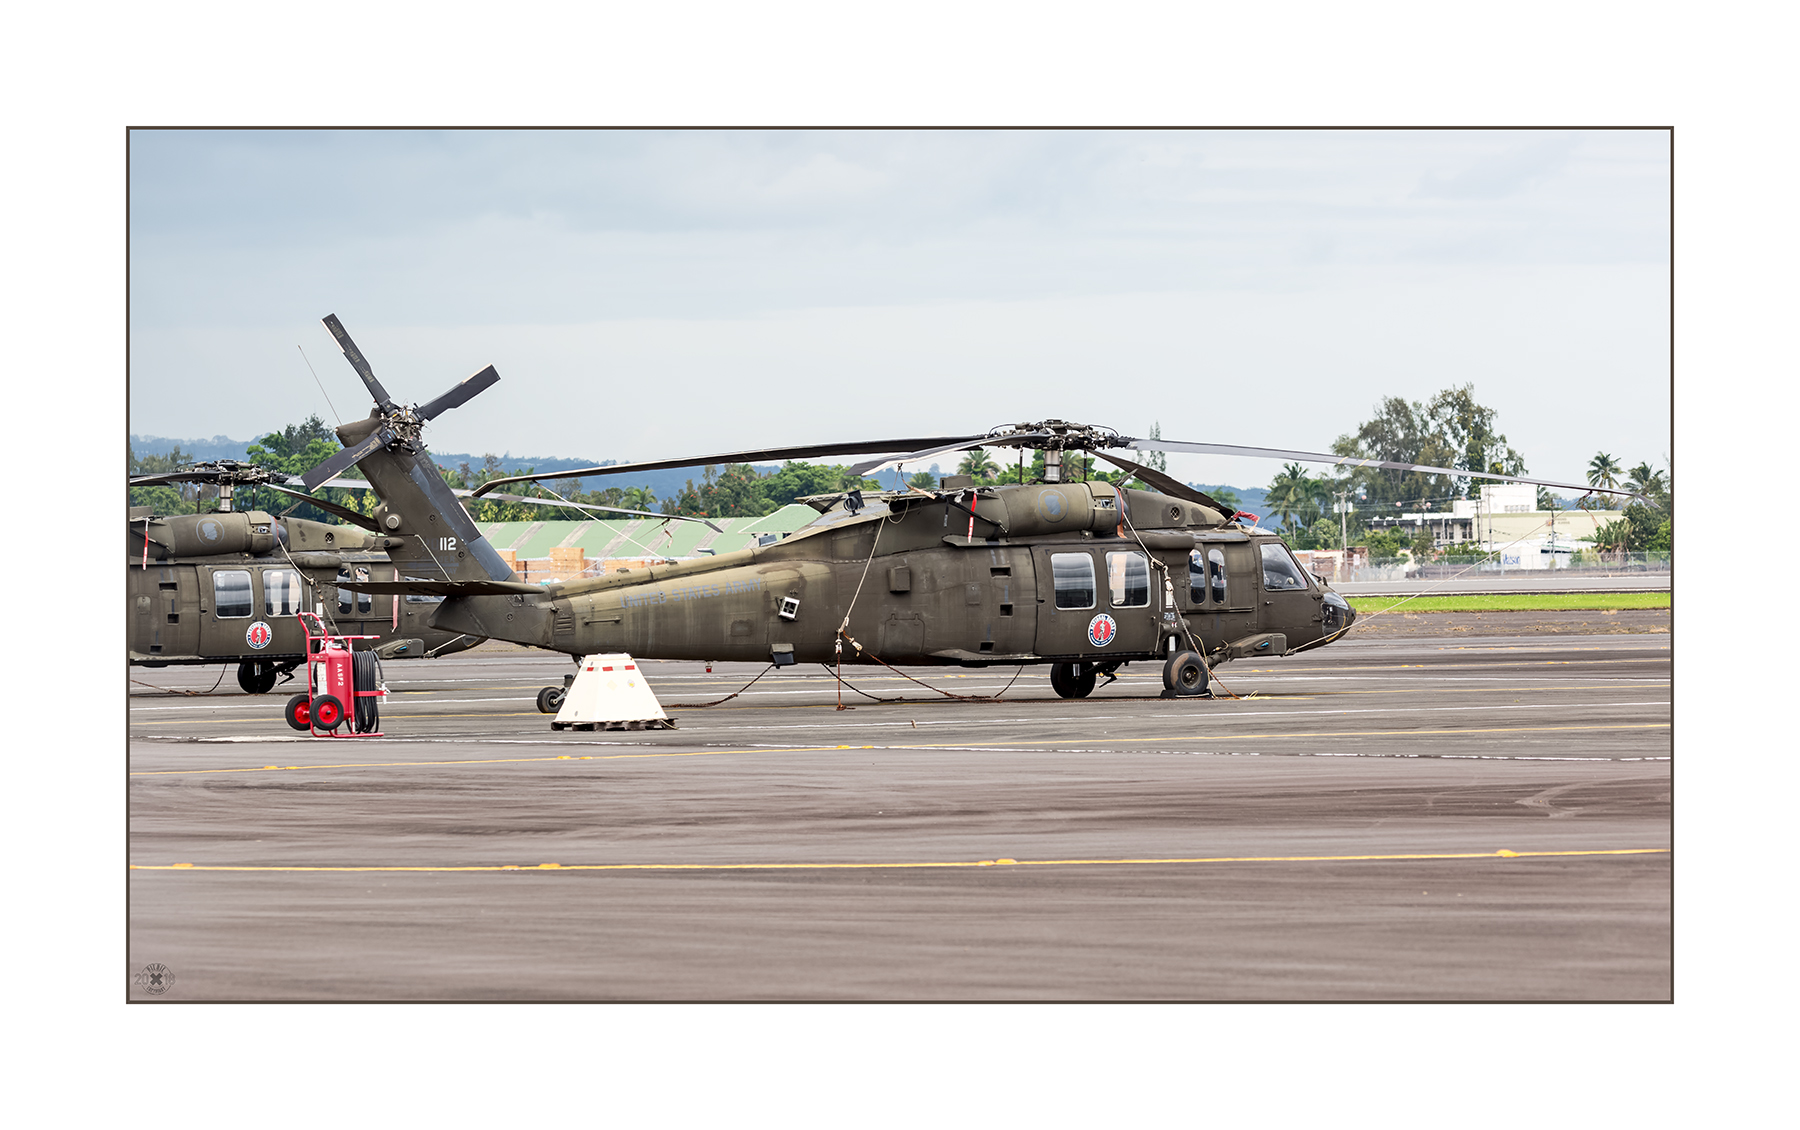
[1056,435]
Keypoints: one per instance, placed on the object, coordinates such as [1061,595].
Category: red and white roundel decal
[1101,630]
[258,635]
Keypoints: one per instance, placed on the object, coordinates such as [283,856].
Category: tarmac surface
[1428,818]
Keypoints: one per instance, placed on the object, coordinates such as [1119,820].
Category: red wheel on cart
[327,712]
[299,712]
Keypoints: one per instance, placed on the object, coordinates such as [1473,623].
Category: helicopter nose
[1338,615]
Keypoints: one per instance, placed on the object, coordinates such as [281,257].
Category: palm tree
[979,465]
[1645,481]
[1293,498]
[1603,471]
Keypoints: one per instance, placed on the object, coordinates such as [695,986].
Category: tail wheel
[1185,674]
[327,712]
[1072,680]
[299,712]
[550,700]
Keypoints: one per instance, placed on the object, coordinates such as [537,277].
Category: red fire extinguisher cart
[343,687]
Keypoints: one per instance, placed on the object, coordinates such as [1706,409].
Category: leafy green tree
[295,450]
[175,498]
[923,480]
[1394,542]
[798,480]
[1450,430]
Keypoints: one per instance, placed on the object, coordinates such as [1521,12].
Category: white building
[1506,515]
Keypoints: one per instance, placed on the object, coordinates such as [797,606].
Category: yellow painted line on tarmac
[915,864]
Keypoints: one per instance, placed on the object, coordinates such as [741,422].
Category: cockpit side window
[1280,571]
[1128,574]
[283,593]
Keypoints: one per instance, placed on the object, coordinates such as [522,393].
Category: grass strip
[1515,602]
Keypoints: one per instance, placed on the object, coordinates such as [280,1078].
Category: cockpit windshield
[1280,570]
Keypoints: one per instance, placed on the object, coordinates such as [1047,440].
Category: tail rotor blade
[342,460]
[461,393]
[357,362]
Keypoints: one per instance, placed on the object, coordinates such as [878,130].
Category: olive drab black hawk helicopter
[225,587]
[1084,575]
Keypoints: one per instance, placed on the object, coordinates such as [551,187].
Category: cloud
[1500,175]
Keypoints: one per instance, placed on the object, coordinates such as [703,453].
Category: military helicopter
[1084,575]
[225,587]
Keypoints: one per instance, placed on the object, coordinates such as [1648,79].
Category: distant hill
[1249,498]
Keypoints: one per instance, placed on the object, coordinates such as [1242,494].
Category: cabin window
[1074,573]
[283,592]
[1215,564]
[1129,575]
[422,598]
[363,601]
[231,593]
[1280,571]
[1197,577]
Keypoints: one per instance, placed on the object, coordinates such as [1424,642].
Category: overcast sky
[653,294]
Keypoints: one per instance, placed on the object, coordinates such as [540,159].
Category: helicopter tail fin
[430,536]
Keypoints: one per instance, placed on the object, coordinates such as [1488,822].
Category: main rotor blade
[174,477]
[342,459]
[1164,484]
[461,393]
[1351,461]
[765,455]
[357,362]
[343,512]
[966,443]
[592,506]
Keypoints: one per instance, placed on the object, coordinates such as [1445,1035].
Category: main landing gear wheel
[327,712]
[299,712]
[1072,680]
[256,677]
[1185,675]
[550,700]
